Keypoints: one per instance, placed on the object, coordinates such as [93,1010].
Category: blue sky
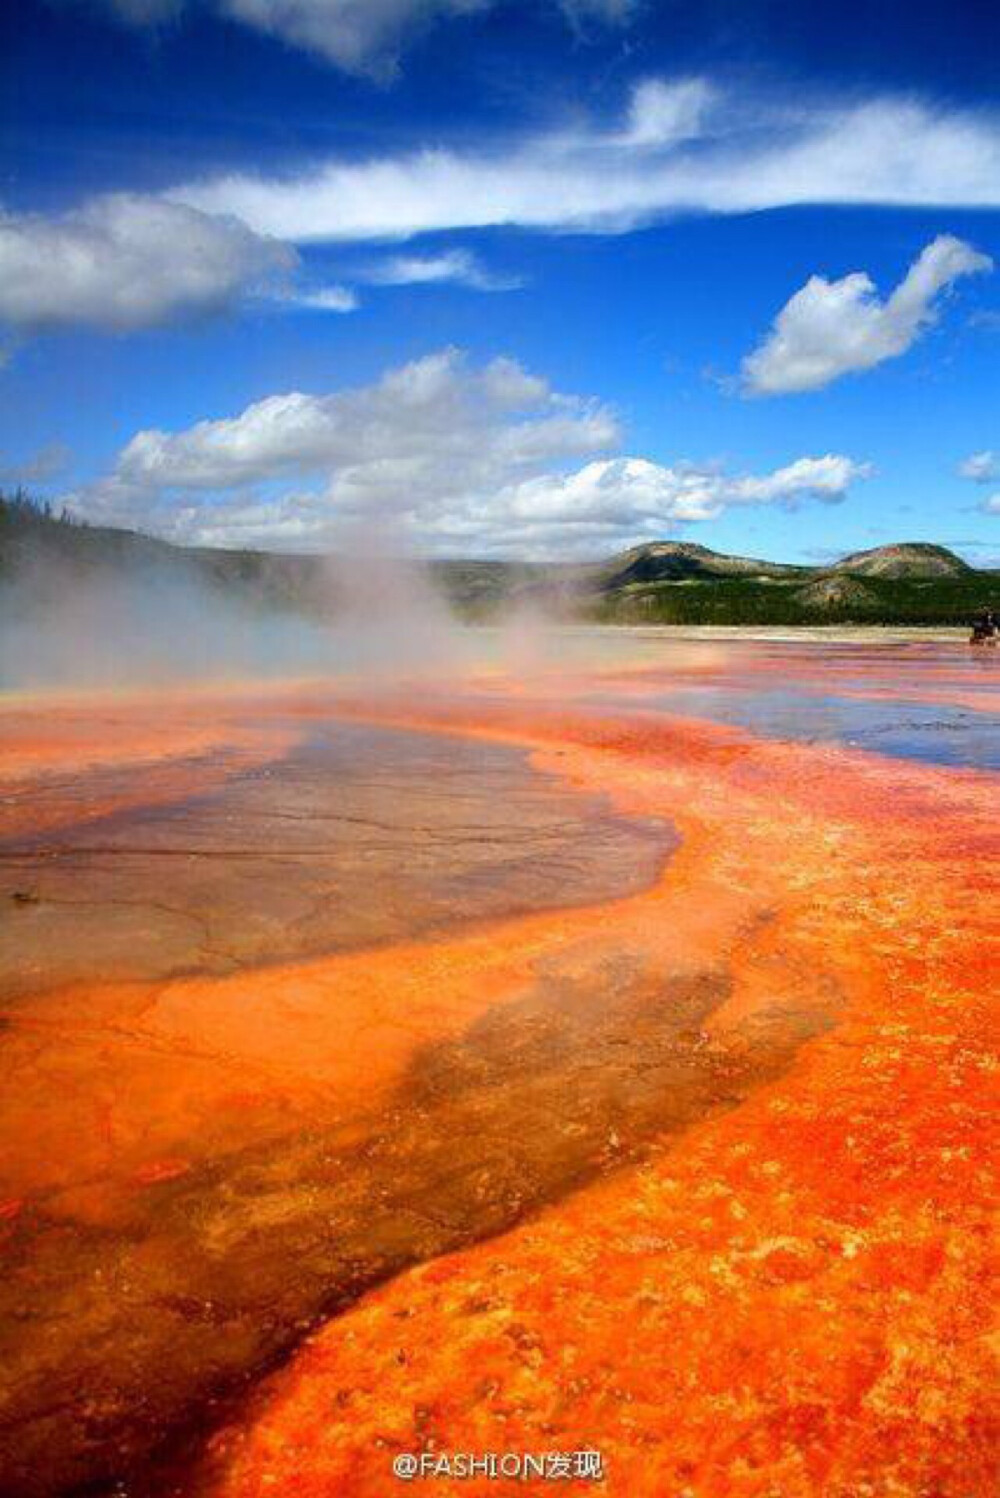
[501,279]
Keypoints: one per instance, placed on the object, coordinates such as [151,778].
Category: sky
[483,278]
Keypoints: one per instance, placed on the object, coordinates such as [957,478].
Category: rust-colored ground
[684,1153]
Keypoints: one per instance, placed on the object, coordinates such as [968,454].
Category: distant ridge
[680,582]
[669,582]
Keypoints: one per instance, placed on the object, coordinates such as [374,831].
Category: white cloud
[459,267]
[634,492]
[664,114]
[682,147]
[991,505]
[448,458]
[128,262]
[511,387]
[981,468]
[326,299]
[437,409]
[359,36]
[832,328]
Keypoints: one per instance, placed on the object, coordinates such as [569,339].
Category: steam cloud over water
[145,628]
[151,625]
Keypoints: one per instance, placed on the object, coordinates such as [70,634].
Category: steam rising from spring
[371,617]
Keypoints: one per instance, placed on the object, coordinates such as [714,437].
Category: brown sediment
[354,836]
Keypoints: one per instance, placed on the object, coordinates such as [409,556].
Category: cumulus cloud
[991,505]
[682,146]
[436,409]
[643,496]
[447,457]
[981,468]
[358,36]
[832,328]
[126,261]
[459,267]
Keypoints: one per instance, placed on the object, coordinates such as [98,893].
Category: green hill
[912,583]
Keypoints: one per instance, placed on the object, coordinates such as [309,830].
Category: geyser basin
[703,1090]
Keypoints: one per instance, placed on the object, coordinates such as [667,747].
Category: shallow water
[932,733]
[935,703]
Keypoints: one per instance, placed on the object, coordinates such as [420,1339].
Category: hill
[671,561]
[671,582]
[906,559]
[681,583]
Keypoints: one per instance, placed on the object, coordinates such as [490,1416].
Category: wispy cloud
[366,37]
[662,113]
[126,261]
[833,328]
[326,299]
[613,12]
[457,267]
[359,36]
[682,147]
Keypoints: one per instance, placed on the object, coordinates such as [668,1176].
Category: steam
[368,617]
[144,627]
[389,622]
